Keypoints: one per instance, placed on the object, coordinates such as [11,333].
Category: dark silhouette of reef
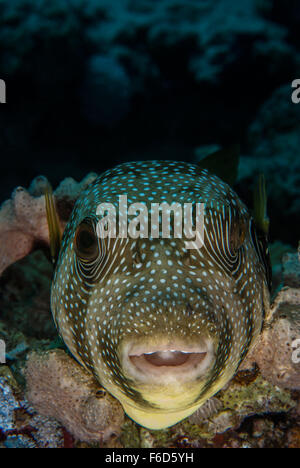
[93,83]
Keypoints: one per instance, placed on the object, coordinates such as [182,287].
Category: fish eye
[100,393]
[237,235]
[85,243]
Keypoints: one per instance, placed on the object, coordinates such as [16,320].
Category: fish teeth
[169,351]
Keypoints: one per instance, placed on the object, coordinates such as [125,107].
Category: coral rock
[9,399]
[275,351]
[22,222]
[59,387]
[20,426]
[240,399]
[291,270]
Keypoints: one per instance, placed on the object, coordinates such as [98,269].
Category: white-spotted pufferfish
[161,327]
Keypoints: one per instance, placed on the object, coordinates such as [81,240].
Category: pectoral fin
[55,233]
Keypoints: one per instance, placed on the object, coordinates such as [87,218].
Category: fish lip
[137,366]
[138,350]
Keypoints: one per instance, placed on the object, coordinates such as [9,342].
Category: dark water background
[94,83]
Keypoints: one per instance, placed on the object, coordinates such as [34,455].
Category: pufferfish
[162,328]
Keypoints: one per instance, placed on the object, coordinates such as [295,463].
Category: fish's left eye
[85,242]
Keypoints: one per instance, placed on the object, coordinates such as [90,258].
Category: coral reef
[272,148]
[25,289]
[59,387]
[165,24]
[23,221]
[291,270]
[20,425]
[243,399]
[279,253]
[268,382]
[274,351]
[67,404]
[90,84]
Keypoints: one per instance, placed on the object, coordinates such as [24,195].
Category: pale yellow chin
[157,420]
[170,403]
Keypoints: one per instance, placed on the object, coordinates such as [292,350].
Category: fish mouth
[170,361]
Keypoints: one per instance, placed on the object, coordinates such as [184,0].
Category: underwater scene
[149,226]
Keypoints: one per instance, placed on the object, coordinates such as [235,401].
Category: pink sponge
[23,221]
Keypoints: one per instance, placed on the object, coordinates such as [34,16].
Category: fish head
[162,325]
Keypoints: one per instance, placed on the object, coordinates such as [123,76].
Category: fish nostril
[186,260]
[189,310]
[137,258]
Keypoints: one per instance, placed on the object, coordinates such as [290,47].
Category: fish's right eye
[86,242]
[237,235]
